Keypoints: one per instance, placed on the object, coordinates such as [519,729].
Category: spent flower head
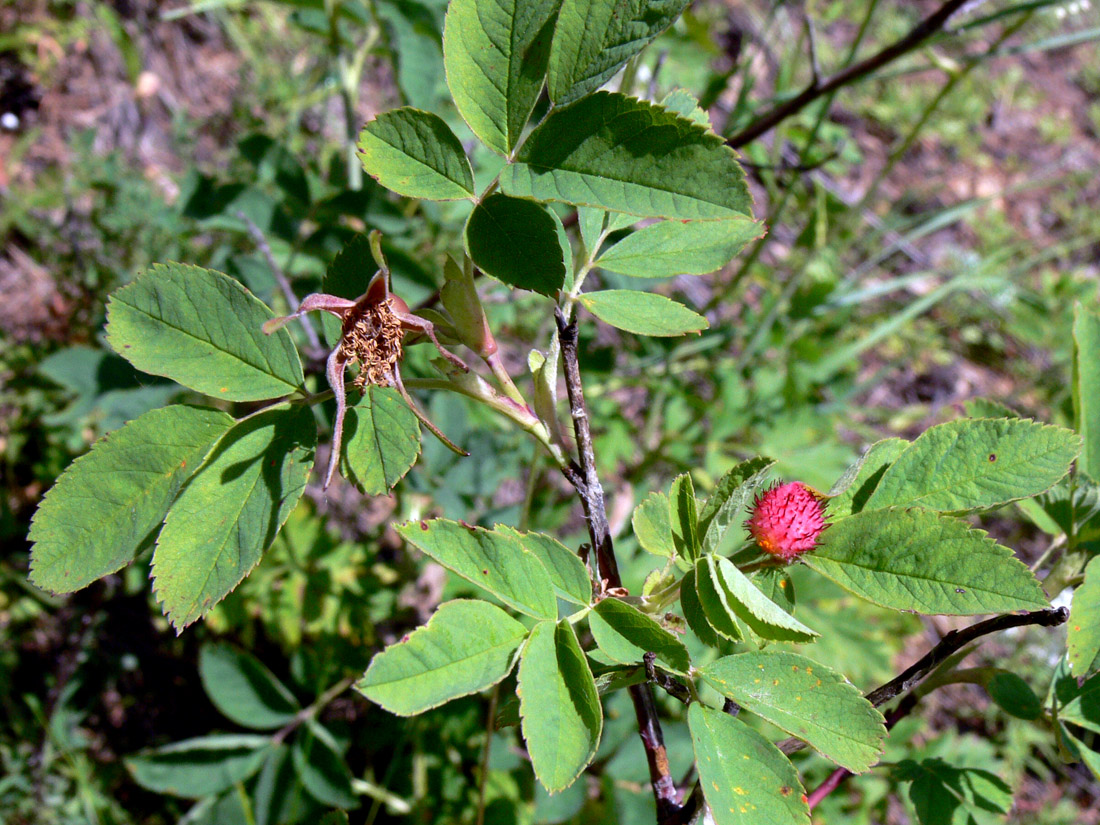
[372,335]
[787,519]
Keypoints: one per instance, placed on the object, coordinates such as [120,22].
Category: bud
[459,296]
[786,520]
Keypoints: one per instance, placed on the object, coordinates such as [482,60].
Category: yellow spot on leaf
[775,682]
[740,791]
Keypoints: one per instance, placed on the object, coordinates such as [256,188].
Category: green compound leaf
[807,700]
[244,690]
[850,493]
[495,54]
[103,507]
[729,503]
[200,767]
[516,242]
[923,561]
[381,441]
[744,600]
[643,313]
[567,571]
[684,517]
[594,38]
[652,526]
[745,779]
[415,154]
[694,614]
[625,155]
[1086,386]
[231,511]
[495,562]
[626,634]
[467,646]
[559,705]
[202,329]
[1083,642]
[972,464]
[662,250]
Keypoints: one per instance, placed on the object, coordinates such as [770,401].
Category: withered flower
[374,327]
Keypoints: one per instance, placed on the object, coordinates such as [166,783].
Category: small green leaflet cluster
[211,491]
[293,754]
[615,158]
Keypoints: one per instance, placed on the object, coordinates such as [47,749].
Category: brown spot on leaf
[992,456]
[785,790]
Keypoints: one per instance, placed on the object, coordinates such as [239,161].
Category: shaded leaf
[103,507]
[683,515]
[516,242]
[243,689]
[1013,695]
[946,795]
[321,768]
[204,330]
[692,607]
[559,705]
[200,767]
[231,511]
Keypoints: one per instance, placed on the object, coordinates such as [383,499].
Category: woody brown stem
[908,679]
[587,482]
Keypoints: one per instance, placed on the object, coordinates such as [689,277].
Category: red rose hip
[786,520]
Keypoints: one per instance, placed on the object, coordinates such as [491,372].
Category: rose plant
[583,181]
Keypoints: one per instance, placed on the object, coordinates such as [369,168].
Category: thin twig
[818,87]
[586,480]
[260,240]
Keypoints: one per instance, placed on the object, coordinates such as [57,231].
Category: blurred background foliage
[929,230]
